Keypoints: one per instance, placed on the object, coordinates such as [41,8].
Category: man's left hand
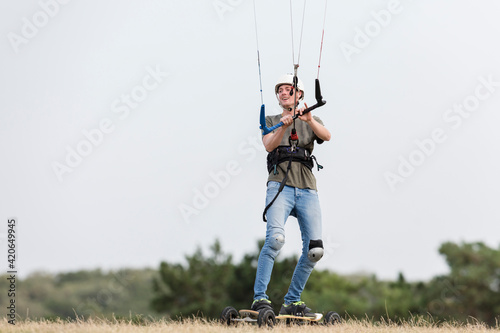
[304,117]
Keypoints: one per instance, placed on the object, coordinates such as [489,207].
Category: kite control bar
[267,130]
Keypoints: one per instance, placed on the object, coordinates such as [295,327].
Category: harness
[285,153]
[291,154]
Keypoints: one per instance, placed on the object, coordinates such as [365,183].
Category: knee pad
[316,250]
[277,241]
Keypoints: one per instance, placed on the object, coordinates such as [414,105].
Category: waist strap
[284,153]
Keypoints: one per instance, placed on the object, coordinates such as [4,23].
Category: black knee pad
[316,250]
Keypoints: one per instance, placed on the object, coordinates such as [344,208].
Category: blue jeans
[304,205]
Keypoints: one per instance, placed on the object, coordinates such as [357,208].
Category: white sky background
[120,207]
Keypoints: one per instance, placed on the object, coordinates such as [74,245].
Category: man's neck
[287,110]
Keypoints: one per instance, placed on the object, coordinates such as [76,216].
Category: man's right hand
[287,120]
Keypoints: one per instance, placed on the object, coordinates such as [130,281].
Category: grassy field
[198,325]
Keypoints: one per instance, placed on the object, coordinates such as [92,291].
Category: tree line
[206,283]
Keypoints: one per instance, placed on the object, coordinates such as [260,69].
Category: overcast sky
[129,130]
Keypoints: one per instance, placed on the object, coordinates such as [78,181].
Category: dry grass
[203,326]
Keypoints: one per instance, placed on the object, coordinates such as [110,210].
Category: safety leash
[282,185]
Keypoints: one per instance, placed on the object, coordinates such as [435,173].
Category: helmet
[288,79]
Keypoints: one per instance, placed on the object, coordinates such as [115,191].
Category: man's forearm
[320,130]
[272,140]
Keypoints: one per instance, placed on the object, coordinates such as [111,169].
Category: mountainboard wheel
[332,318]
[228,314]
[266,318]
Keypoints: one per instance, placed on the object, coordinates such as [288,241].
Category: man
[290,159]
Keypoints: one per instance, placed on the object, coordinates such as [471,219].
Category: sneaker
[261,304]
[296,309]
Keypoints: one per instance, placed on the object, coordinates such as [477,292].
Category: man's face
[287,100]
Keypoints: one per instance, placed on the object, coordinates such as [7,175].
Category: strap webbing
[282,185]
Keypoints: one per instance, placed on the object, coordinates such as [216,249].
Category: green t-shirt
[299,175]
